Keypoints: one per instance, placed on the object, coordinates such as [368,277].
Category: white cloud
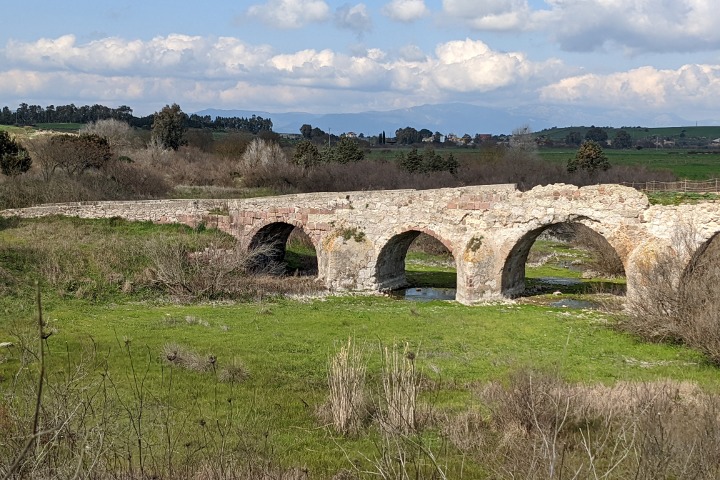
[690,86]
[490,14]
[191,68]
[588,25]
[470,65]
[643,26]
[412,53]
[405,10]
[355,18]
[286,14]
[108,54]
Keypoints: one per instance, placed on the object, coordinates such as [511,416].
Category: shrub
[119,134]
[589,157]
[677,298]
[539,426]
[14,158]
[74,154]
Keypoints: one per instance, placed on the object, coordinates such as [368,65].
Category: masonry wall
[359,236]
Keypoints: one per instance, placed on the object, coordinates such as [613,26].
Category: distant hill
[458,118]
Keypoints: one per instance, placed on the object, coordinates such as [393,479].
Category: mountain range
[458,118]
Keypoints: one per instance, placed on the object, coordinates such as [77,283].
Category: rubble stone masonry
[361,237]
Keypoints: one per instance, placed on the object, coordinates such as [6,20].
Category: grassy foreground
[284,347]
[261,402]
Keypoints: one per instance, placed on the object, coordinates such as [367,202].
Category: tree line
[26,115]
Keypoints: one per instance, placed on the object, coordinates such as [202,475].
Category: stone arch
[390,262]
[513,270]
[270,240]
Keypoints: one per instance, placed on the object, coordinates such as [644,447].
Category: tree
[14,158]
[260,153]
[431,161]
[306,131]
[622,140]
[407,136]
[596,134]
[119,134]
[306,154]
[328,154]
[589,157]
[425,133]
[169,125]
[523,140]
[411,161]
[348,151]
[573,138]
[77,153]
[451,164]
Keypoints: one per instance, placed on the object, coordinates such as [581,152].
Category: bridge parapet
[361,237]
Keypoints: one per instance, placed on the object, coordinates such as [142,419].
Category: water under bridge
[361,238]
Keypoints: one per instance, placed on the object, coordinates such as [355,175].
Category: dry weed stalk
[400,388]
[346,380]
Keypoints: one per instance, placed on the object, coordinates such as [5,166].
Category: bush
[14,158]
[541,427]
[589,157]
[680,302]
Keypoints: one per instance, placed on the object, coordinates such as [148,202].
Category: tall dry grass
[538,426]
[400,382]
[348,401]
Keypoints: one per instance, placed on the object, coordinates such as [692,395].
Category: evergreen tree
[347,150]
[169,125]
[14,158]
[451,164]
[306,154]
[589,157]
[622,140]
[411,161]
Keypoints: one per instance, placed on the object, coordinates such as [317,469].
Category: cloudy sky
[609,62]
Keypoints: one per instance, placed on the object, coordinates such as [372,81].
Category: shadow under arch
[513,273]
[390,265]
[269,247]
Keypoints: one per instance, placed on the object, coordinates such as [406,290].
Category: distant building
[291,136]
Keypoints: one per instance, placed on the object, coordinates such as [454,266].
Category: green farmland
[683,163]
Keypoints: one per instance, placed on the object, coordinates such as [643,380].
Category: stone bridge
[361,238]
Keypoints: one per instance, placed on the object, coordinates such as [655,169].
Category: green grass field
[285,345]
[111,346]
[61,127]
[683,163]
[680,162]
